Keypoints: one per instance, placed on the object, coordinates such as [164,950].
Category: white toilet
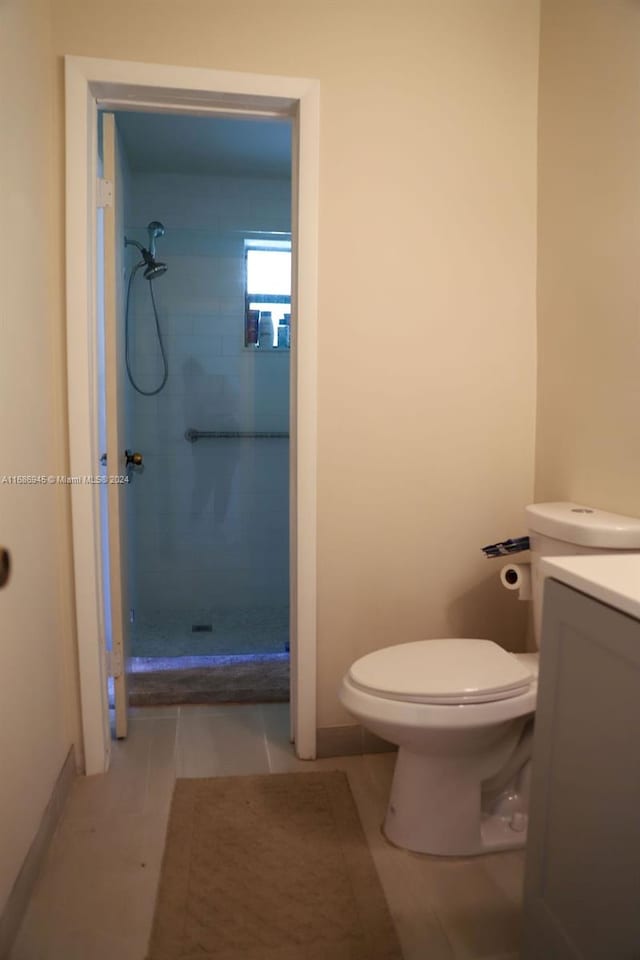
[461,710]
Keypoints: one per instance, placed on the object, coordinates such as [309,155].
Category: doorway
[93,84]
[206,223]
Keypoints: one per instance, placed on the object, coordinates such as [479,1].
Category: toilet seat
[443,671]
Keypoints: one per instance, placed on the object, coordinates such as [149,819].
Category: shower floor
[259,630]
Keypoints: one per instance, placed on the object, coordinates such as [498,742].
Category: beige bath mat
[271,867]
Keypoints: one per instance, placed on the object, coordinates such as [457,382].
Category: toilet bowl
[452,737]
[461,711]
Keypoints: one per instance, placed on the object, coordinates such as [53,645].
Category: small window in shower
[267,312]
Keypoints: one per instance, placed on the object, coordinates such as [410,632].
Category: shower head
[154,268]
[155,229]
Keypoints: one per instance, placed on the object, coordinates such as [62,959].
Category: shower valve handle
[134,459]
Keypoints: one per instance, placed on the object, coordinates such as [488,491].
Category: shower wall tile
[208,204]
[219,324]
[174,326]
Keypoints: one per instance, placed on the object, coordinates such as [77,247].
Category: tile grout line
[266,740]
[147,778]
[176,742]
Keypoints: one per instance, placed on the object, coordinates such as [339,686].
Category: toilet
[461,710]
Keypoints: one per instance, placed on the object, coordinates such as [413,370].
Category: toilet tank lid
[452,670]
[584,526]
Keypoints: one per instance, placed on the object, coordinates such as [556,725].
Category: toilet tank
[567,529]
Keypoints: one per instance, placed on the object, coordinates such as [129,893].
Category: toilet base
[496,835]
[435,807]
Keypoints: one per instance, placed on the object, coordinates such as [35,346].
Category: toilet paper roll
[517,576]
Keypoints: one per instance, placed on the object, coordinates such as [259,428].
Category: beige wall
[588,442]
[427,287]
[37,705]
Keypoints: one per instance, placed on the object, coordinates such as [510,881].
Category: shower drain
[201,628]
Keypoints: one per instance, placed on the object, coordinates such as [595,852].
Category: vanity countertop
[613,578]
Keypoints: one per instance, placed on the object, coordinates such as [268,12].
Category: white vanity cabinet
[582,875]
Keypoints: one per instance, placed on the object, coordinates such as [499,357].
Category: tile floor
[234,630]
[95,897]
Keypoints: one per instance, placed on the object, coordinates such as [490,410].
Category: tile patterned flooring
[95,897]
[247,629]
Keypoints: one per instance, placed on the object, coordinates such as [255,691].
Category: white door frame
[154,87]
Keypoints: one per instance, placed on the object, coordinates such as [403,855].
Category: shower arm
[148,258]
[134,243]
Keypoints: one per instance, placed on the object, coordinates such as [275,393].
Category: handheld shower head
[155,229]
[154,268]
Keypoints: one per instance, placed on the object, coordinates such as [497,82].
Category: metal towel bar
[192,435]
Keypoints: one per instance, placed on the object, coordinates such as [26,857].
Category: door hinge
[114,663]
[105,193]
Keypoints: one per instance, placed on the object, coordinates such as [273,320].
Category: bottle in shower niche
[284,332]
[265,330]
[251,328]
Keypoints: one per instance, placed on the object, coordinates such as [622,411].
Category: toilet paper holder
[504,548]
[517,576]
[511,576]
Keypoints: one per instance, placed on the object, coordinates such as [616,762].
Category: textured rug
[250,682]
[269,867]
